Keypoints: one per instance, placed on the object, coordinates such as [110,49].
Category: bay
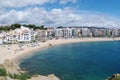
[76,61]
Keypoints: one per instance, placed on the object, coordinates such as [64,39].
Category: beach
[15,52]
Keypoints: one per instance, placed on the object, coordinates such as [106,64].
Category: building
[1,39]
[76,32]
[59,32]
[41,35]
[86,32]
[108,32]
[115,32]
[50,33]
[24,34]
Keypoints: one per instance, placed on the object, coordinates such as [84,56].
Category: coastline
[11,53]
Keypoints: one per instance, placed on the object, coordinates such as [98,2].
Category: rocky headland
[9,71]
[114,77]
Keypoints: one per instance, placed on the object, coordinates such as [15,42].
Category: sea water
[76,61]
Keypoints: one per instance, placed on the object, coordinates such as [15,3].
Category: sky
[54,13]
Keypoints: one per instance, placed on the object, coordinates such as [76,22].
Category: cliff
[40,77]
[9,71]
[114,77]
[11,67]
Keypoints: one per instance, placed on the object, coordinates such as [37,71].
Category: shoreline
[17,56]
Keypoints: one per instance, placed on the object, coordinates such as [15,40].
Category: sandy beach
[14,51]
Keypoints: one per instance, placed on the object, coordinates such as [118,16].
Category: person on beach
[9,50]
[15,51]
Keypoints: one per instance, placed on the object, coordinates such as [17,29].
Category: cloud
[65,1]
[56,17]
[22,3]
[27,3]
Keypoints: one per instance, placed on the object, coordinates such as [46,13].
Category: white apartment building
[115,32]
[85,32]
[24,34]
[58,32]
[1,39]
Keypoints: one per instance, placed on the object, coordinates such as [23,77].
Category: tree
[3,72]
[14,26]
[42,26]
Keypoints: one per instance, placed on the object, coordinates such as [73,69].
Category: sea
[76,61]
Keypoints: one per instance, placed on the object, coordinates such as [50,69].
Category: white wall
[1,41]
